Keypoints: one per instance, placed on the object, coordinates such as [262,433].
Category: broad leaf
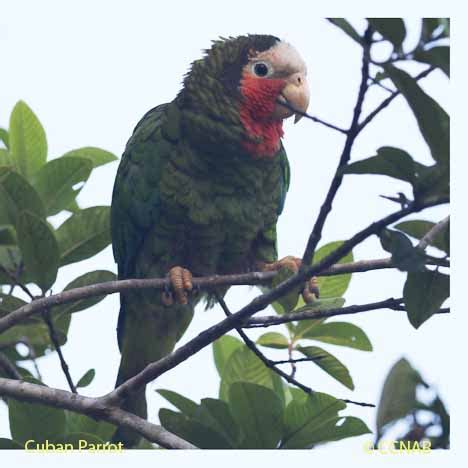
[419,228]
[392,29]
[39,249]
[346,27]
[17,195]
[340,333]
[80,423]
[86,379]
[28,144]
[432,119]
[55,181]
[84,234]
[288,301]
[398,394]
[424,293]
[5,159]
[4,137]
[244,366]
[81,441]
[304,417]
[389,161]
[222,349]
[258,411]
[191,430]
[97,156]
[437,56]
[329,363]
[404,256]
[183,404]
[273,340]
[9,444]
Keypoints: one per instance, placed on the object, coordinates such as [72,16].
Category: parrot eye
[261,69]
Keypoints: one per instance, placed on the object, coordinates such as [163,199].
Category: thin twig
[57,347]
[380,85]
[311,117]
[388,100]
[294,361]
[9,368]
[15,282]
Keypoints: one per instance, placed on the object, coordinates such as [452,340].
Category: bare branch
[9,368]
[351,135]
[57,347]
[94,407]
[208,283]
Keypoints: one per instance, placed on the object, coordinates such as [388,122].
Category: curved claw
[311,291]
[181,282]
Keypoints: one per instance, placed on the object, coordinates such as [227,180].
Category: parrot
[199,189]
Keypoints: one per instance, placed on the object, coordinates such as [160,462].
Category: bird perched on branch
[199,190]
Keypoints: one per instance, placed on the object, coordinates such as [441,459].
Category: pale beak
[295,96]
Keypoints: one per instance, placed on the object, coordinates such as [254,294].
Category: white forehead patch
[284,57]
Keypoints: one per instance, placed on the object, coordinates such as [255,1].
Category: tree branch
[57,347]
[208,283]
[94,407]
[433,233]
[8,367]
[351,135]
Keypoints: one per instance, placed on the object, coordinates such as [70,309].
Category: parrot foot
[311,291]
[181,283]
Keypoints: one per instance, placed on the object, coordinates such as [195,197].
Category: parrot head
[243,88]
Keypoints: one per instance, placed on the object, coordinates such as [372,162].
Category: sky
[90,70]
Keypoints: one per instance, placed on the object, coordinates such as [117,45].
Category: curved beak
[294,97]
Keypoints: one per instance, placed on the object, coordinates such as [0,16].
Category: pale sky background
[90,70]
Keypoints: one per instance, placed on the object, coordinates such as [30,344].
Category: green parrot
[199,190]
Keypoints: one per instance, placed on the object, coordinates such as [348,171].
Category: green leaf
[432,120]
[404,255]
[289,300]
[429,25]
[93,277]
[273,340]
[437,56]
[86,379]
[316,306]
[183,404]
[216,414]
[258,411]
[304,419]
[97,156]
[392,29]
[84,234]
[191,430]
[55,181]
[5,159]
[222,349]
[35,421]
[17,195]
[9,444]
[424,293]
[39,249]
[389,161]
[7,236]
[4,137]
[346,28]
[28,144]
[244,366]
[419,228]
[340,333]
[329,363]
[398,396]
[80,423]
[431,180]
[333,286]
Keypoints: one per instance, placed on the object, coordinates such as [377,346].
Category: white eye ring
[261,69]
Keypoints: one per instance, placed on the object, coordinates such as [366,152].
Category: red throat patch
[259,101]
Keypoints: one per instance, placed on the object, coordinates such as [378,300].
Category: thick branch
[93,407]
[433,233]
